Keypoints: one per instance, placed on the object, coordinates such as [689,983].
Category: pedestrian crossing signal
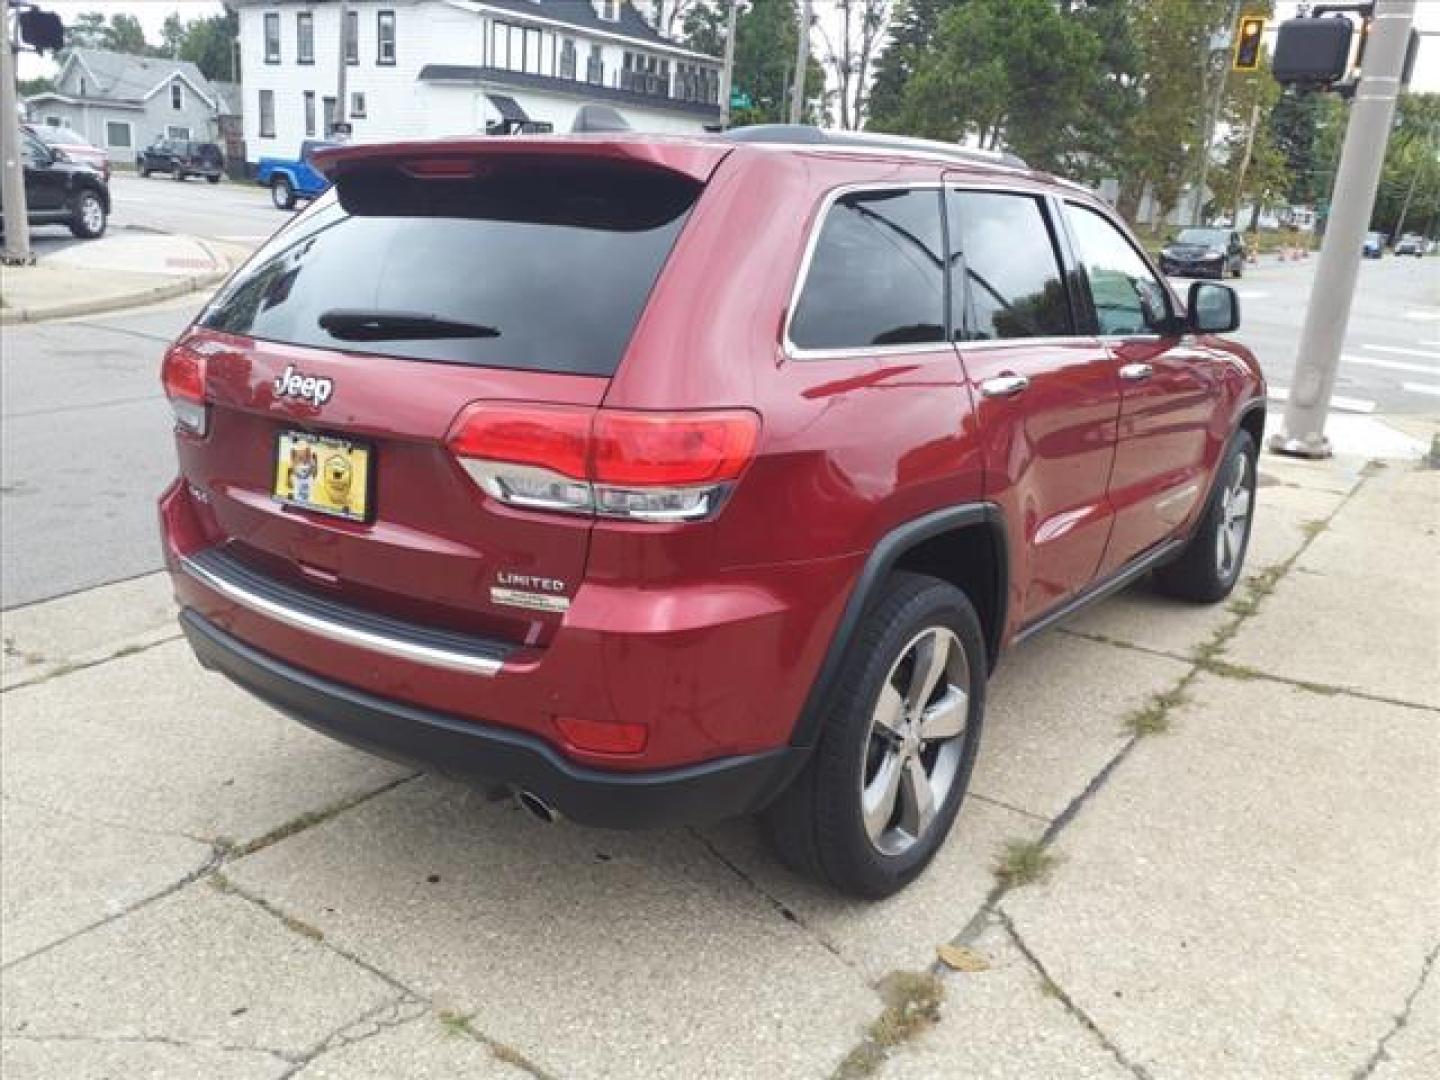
[1247,43]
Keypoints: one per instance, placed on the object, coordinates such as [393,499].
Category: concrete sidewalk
[120,270]
[1203,842]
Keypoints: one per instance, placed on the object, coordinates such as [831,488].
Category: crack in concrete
[70,667]
[311,818]
[106,823]
[1076,1012]
[1003,805]
[785,910]
[1402,1018]
[366,1026]
[154,1040]
[503,1052]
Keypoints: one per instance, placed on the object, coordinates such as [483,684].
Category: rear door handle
[1136,372]
[1004,385]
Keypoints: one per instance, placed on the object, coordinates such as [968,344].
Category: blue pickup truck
[292,179]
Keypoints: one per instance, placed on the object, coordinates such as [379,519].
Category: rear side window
[544,268]
[1007,280]
[876,275]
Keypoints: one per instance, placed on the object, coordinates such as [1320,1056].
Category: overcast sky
[152,13]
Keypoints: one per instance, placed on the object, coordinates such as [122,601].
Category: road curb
[151,295]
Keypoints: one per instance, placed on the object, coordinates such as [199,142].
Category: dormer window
[609,10]
[177,95]
[82,85]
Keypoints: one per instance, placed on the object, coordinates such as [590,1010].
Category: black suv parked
[182,158]
[63,192]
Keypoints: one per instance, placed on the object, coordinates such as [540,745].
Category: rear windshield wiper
[358,324]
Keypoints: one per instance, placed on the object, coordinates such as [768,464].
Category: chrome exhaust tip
[536,807]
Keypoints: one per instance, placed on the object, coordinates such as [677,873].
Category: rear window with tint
[544,268]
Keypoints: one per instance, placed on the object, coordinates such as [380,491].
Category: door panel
[1045,394]
[1168,387]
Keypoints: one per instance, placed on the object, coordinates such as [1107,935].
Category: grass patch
[1023,862]
[1314,528]
[1231,671]
[912,1005]
[1153,718]
[456,1025]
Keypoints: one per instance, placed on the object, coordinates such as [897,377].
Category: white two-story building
[425,68]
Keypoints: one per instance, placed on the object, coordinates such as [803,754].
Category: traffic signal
[1312,52]
[1247,43]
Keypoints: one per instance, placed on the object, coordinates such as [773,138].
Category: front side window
[1005,273]
[385,37]
[1128,299]
[876,274]
[304,37]
[352,37]
[272,37]
[267,114]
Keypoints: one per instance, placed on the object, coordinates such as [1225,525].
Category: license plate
[323,474]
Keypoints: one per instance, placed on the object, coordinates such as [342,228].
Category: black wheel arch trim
[882,560]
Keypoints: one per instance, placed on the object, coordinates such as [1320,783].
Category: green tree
[1410,180]
[912,32]
[766,39]
[126,35]
[1254,169]
[210,43]
[172,35]
[1295,126]
[1110,103]
[91,30]
[1012,72]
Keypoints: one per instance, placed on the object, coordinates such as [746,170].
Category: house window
[328,106]
[352,37]
[309,114]
[82,85]
[118,134]
[610,10]
[178,132]
[532,52]
[267,114]
[385,37]
[567,59]
[357,105]
[304,37]
[595,66]
[272,37]
[177,95]
[54,121]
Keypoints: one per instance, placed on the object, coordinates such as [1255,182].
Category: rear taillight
[183,376]
[636,465]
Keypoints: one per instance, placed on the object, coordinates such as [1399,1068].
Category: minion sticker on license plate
[323,474]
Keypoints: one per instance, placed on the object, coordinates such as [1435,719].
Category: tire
[144,173]
[213,178]
[282,194]
[87,215]
[1239,268]
[1213,560]
[179,176]
[818,825]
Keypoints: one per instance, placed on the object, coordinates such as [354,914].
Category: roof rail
[804,134]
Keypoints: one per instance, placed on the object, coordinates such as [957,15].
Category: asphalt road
[86,433]
[237,213]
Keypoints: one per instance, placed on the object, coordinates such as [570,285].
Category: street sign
[740,100]
[1248,37]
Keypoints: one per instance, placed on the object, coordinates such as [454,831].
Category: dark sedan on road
[1204,253]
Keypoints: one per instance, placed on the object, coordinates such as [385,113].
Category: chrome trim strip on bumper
[418,652]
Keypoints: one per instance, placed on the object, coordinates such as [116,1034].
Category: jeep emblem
[312,388]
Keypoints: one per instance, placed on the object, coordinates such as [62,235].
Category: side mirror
[1212,308]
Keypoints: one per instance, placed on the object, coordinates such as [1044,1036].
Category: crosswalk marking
[1421,388]
[1337,401]
[1428,354]
[1392,365]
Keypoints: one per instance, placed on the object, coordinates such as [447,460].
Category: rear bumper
[694,794]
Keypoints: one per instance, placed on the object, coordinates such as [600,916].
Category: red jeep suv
[661,480]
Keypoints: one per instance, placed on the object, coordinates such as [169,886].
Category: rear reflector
[603,736]
[182,374]
[658,467]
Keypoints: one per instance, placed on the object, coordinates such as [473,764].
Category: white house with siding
[426,68]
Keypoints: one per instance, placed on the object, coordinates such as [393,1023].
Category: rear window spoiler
[692,158]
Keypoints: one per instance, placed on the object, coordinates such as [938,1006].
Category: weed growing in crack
[912,1005]
[456,1025]
[1023,862]
[1153,718]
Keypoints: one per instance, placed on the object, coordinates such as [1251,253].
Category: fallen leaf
[959,958]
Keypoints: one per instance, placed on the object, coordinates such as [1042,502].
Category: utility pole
[727,73]
[12,162]
[340,75]
[1245,164]
[1212,108]
[802,65]
[1302,433]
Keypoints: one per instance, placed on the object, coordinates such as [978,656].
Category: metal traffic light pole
[12,166]
[1302,433]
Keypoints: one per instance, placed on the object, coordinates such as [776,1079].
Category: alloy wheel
[916,742]
[1235,501]
[92,213]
